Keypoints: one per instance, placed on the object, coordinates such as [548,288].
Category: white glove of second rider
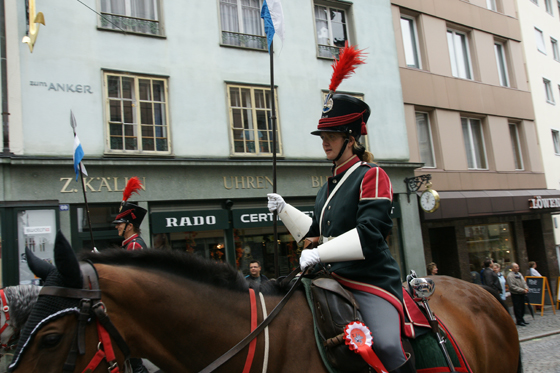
[275,202]
[309,258]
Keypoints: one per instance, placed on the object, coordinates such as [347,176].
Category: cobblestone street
[540,342]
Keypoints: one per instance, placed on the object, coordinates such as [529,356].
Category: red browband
[342,120]
[123,214]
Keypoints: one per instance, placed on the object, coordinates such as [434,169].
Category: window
[502,65]
[548,91]
[459,54]
[137,114]
[425,145]
[141,16]
[410,42]
[516,145]
[494,241]
[474,143]
[540,40]
[548,5]
[332,30]
[241,24]
[556,141]
[555,52]
[250,125]
[535,2]
[491,4]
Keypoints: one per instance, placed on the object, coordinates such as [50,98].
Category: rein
[245,341]
[90,306]
[6,313]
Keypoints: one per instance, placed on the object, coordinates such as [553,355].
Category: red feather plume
[350,57]
[133,186]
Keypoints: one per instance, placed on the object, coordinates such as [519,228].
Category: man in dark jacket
[255,279]
[490,277]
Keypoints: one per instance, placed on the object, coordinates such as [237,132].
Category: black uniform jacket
[363,201]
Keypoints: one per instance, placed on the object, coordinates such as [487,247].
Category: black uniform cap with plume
[129,212]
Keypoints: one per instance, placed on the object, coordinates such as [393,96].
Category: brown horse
[183,312]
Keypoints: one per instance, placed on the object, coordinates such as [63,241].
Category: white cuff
[345,247]
[295,221]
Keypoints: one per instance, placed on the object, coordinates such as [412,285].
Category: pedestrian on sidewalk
[518,289]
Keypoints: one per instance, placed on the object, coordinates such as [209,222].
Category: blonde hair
[361,152]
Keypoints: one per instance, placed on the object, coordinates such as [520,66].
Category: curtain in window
[338,24]
[322,25]
[251,17]
[113,7]
[228,14]
[143,9]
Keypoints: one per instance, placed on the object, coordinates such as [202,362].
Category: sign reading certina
[63,87]
[543,203]
[37,230]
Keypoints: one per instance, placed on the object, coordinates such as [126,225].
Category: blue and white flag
[273,17]
[78,155]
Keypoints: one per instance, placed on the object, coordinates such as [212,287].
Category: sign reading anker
[187,221]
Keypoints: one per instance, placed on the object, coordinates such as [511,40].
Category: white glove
[309,258]
[275,202]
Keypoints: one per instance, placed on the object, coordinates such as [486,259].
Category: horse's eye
[50,340]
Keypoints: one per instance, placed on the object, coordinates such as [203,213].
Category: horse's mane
[21,299]
[177,262]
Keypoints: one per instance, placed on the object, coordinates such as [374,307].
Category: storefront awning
[464,204]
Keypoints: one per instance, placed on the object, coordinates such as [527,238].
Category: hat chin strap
[342,150]
[124,229]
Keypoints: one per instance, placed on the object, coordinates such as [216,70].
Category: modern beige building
[471,122]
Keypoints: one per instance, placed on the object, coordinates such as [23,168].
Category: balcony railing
[244,40]
[328,51]
[131,24]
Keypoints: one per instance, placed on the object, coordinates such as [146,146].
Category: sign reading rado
[186,221]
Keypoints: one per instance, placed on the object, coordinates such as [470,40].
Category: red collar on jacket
[346,165]
[127,241]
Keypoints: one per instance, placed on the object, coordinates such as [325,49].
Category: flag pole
[274,182]
[80,166]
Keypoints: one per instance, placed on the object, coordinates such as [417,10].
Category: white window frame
[249,137]
[461,66]
[429,141]
[410,42]
[491,4]
[330,50]
[470,147]
[236,35]
[548,91]
[555,50]
[123,19]
[548,6]
[135,104]
[516,146]
[501,61]
[556,141]
[539,38]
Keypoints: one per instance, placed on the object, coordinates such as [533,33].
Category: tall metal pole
[273,120]
[73,124]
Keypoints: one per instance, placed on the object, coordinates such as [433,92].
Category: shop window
[207,244]
[457,43]
[136,114]
[490,241]
[250,124]
[138,16]
[241,24]
[410,41]
[331,25]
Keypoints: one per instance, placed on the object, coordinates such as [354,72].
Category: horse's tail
[496,295]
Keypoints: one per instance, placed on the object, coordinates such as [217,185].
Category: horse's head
[60,334]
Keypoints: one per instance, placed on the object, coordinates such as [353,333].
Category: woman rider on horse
[352,220]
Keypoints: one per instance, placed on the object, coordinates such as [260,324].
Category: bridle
[11,343]
[91,307]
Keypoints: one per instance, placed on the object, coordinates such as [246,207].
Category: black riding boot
[137,366]
[407,367]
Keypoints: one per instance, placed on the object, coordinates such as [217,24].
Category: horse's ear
[66,262]
[38,266]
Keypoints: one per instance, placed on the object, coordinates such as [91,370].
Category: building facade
[471,122]
[178,94]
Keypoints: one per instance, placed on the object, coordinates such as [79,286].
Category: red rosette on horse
[358,338]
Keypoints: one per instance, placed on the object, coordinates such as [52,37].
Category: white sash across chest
[350,170]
